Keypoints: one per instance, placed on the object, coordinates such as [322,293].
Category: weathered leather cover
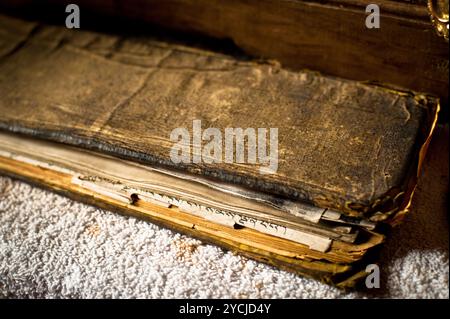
[342,144]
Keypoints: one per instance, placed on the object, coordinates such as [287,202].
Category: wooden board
[328,36]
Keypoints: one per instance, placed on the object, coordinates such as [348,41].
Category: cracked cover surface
[339,141]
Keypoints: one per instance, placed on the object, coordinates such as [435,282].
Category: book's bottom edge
[343,269]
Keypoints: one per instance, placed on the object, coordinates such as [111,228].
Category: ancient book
[292,168]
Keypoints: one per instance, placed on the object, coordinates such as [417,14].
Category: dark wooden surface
[327,35]
[339,141]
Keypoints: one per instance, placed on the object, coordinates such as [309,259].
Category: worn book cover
[293,168]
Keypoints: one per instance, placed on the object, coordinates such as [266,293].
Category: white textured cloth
[53,247]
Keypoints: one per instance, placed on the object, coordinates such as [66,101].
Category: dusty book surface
[98,116]
[342,144]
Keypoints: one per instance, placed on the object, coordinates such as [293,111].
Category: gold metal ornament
[438,10]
